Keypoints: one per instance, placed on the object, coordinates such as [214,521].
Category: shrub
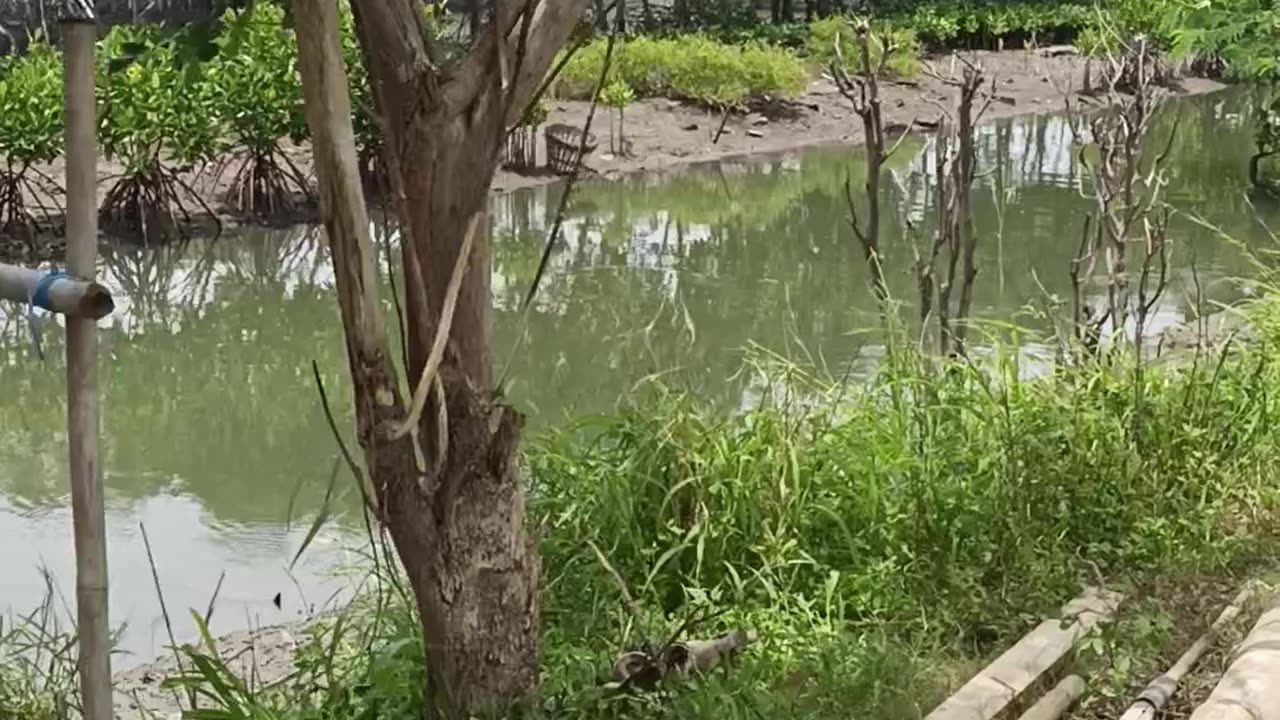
[261,95]
[30,131]
[903,62]
[154,113]
[688,67]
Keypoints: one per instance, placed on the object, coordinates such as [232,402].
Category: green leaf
[326,509]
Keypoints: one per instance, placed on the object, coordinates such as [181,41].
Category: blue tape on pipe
[39,297]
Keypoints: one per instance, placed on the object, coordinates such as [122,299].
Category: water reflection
[211,420]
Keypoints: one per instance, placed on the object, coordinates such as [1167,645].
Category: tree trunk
[458,523]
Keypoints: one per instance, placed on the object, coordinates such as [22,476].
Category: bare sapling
[1126,192]
[862,89]
[952,255]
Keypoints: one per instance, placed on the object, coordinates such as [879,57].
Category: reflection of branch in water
[146,276]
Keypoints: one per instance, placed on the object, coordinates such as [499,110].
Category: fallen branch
[690,658]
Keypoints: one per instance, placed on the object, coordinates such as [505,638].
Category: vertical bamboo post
[79,34]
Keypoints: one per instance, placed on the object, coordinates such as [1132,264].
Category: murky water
[214,440]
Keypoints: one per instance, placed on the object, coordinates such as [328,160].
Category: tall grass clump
[691,67]
[37,665]
[919,517]
[882,538]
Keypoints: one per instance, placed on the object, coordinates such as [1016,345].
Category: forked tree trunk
[458,522]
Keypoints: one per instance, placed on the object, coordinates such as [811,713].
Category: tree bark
[458,522]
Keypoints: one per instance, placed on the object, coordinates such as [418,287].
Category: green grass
[37,664]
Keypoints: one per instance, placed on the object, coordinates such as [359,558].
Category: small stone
[727,131]
[755,134]
[760,121]
[690,126]
[673,104]
[607,157]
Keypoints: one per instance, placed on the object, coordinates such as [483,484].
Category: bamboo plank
[994,693]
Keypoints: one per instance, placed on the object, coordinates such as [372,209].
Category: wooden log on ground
[997,691]
[61,294]
[1250,688]
[1158,692]
[1056,701]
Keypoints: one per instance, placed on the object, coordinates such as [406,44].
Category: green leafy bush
[617,95]
[150,104]
[1244,34]
[155,116]
[904,60]
[30,130]
[260,93]
[31,105]
[688,67]
[988,24]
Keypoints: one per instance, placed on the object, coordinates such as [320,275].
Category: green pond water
[210,418]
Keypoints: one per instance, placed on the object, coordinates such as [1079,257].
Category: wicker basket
[562,147]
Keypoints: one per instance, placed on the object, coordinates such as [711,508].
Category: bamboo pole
[1158,692]
[1002,687]
[79,33]
[1056,701]
[1250,688]
[61,294]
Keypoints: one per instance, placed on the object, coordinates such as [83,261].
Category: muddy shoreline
[661,135]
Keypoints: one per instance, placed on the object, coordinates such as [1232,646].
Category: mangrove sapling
[157,121]
[954,170]
[260,93]
[30,134]
[618,95]
[863,90]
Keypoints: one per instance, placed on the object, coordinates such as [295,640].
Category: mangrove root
[148,204]
[23,189]
[266,183]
